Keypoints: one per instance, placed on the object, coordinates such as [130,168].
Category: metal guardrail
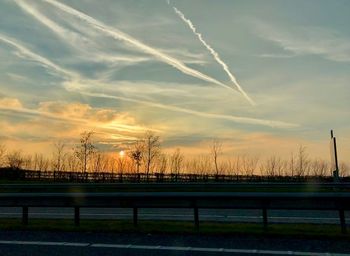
[207,200]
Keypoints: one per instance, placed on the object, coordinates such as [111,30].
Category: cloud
[67,120]
[237,119]
[308,40]
[10,103]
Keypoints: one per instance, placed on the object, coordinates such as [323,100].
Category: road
[275,216]
[65,243]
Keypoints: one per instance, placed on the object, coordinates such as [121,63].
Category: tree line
[145,157]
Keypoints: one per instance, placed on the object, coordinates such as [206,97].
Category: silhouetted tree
[59,156]
[85,149]
[2,154]
[136,153]
[303,161]
[216,150]
[176,160]
[151,150]
[15,159]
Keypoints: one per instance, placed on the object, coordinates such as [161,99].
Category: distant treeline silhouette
[144,161]
[107,177]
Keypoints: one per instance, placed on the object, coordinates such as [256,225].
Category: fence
[105,177]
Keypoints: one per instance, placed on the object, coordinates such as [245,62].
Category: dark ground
[249,242]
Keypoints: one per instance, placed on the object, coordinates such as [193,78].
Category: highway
[221,215]
[15,243]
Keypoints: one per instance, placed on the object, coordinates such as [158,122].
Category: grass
[180,227]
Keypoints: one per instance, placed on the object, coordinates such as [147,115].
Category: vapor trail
[38,58]
[237,119]
[213,53]
[76,78]
[74,39]
[119,35]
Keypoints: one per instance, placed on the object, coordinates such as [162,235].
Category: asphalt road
[65,243]
[275,216]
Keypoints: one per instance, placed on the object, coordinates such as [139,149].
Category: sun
[122,153]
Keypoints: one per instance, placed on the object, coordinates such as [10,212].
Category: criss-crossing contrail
[72,76]
[37,58]
[119,35]
[213,53]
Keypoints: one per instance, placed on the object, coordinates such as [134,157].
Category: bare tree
[344,169]
[273,166]
[15,159]
[97,162]
[59,156]
[216,150]
[136,153]
[249,164]
[303,161]
[72,162]
[2,154]
[40,163]
[237,166]
[152,150]
[85,149]
[121,164]
[176,160]
[292,165]
[27,162]
[162,163]
[319,168]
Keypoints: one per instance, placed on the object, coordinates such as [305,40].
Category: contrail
[74,39]
[75,77]
[119,35]
[237,119]
[38,58]
[213,53]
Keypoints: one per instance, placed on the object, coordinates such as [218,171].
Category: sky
[263,77]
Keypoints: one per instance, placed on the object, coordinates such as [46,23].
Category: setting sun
[122,153]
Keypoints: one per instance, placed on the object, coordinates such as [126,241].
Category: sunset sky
[123,67]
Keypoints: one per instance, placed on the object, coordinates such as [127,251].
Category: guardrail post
[264,211]
[76,216]
[196,218]
[25,215]
[135,216]
[342,221]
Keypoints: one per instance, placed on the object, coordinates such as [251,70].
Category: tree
[72,162]
[152,150]
[136,153]
[15,159]
[176,160]
[85,149]
[59,156]
[2,154]
[249,164]
[303,161]
[216,150]
[121,164]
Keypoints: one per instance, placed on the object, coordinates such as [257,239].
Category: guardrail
[206,200]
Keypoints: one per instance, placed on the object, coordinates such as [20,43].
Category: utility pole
[334,157]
